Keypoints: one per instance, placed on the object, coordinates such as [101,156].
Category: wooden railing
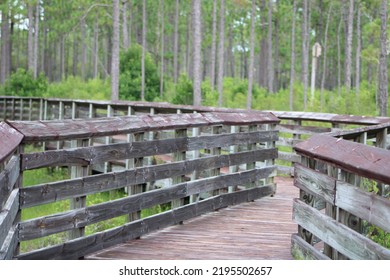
[344,196]
[294,126]
[175,163]
[344,201]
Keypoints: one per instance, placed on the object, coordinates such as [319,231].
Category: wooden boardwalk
[255,230]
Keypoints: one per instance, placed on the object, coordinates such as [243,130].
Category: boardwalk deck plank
[257,230]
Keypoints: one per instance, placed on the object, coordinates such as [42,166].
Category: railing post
[179,156]
[216,152]
[76,172]
[233,149]
[381,142]
[21,109]
[138,162]
[108,165]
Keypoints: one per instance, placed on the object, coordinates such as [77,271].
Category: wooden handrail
[252,179]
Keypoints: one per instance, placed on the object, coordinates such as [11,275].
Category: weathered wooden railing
[183,149]
[344,182]
[294,126]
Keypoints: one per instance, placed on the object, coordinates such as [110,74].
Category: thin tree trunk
[36,41]
[270,65]
[176,44]
[143,50]
[125,32]
[75,52]
[358,49]
[276,55]
[292,65]
[83,49]
[213,46]
[5,52]
[221,49]
[325,53]
[162,50]
[251,57]
[115,52]
[130,28]
[231,54]
[197,45]
[305,53]
[30,42]
[262,75]
[95,48]
[348,47]
[339,57]
[383,79]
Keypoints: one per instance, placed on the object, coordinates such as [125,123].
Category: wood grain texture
[103,153]
[36,131]
[8,214]
[315,183]
[304,250]
[367,206]
[82,217]
[51,192]
[164,107]
[298,129]
[10,244]
[362,160]
[340,237]
[8,178]
[257,230]
[83,246]
[10,140]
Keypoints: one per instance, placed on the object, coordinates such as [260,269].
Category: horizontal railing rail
[294,126]
[176,167]
[349,180]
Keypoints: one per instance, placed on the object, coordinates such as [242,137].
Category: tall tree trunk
[83,49]
[5,47]
[197,45]
[270,68]
[176,44]
[251,57]
[36,41]
[143,50]
[221,48]
[276,53]
[358,49]
[339,57]
[30,42]
[115,52]
[231,53]
[75,53]
[292,65]
[162,49]
[125,31]
[95,47]
[348,47]
[213,46]
[263,49]
[130,28]
[189,65]
[325,54]
[383,80]
[305,53]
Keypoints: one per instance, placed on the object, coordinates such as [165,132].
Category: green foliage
[184,91]
[22,83]
[130,78]
[76,88]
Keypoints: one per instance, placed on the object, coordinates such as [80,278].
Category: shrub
[22,83]
[76,88]
[130,77]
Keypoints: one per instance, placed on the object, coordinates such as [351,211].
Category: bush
[22,83]
[76,88]
[130,77]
